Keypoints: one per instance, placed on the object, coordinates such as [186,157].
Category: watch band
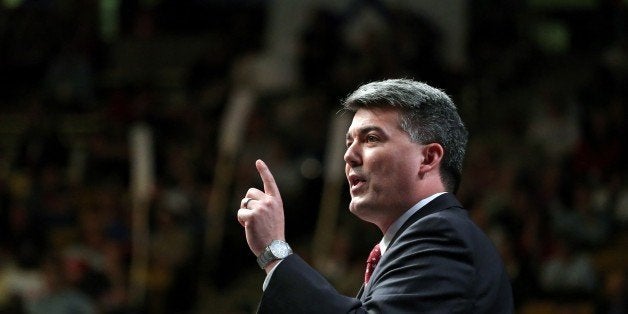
[265,258]
[276,250]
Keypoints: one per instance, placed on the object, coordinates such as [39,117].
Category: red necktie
[371,262]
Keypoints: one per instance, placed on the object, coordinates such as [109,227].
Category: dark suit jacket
[439,262]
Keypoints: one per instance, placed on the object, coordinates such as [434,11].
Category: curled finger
[244,216]
[245,202]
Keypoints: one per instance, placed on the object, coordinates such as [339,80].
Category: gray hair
[426,113]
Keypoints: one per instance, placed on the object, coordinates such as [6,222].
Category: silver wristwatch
[277,249]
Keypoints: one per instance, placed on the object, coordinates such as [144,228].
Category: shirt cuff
[269,275]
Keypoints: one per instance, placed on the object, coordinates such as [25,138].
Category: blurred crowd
[542,90]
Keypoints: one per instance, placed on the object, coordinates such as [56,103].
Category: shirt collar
[395,226]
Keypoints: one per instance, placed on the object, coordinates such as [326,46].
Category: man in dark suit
[405,149]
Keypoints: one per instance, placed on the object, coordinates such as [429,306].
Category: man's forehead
[365,120]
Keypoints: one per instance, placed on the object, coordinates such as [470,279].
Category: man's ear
[432,156]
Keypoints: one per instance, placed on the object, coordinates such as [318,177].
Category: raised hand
[261,212]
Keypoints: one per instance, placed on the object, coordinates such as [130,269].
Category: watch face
[279,249]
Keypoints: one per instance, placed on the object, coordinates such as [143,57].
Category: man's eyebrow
[365,130]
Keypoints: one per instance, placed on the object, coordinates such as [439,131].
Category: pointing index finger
[270,186]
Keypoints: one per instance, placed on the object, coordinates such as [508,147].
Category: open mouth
[356,181]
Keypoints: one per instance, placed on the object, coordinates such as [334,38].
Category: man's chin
[357,207]
[354,206]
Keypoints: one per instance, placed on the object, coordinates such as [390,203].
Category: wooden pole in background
[231,137]
[141,187]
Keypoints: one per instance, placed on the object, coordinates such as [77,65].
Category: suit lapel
[440,203]
[360,293]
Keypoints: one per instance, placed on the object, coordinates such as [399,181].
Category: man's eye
[371,138]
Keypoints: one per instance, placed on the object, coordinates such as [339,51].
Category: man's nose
[352,155]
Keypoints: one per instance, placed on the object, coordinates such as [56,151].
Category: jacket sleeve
[295,287]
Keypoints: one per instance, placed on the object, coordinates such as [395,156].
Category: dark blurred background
[215,84]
